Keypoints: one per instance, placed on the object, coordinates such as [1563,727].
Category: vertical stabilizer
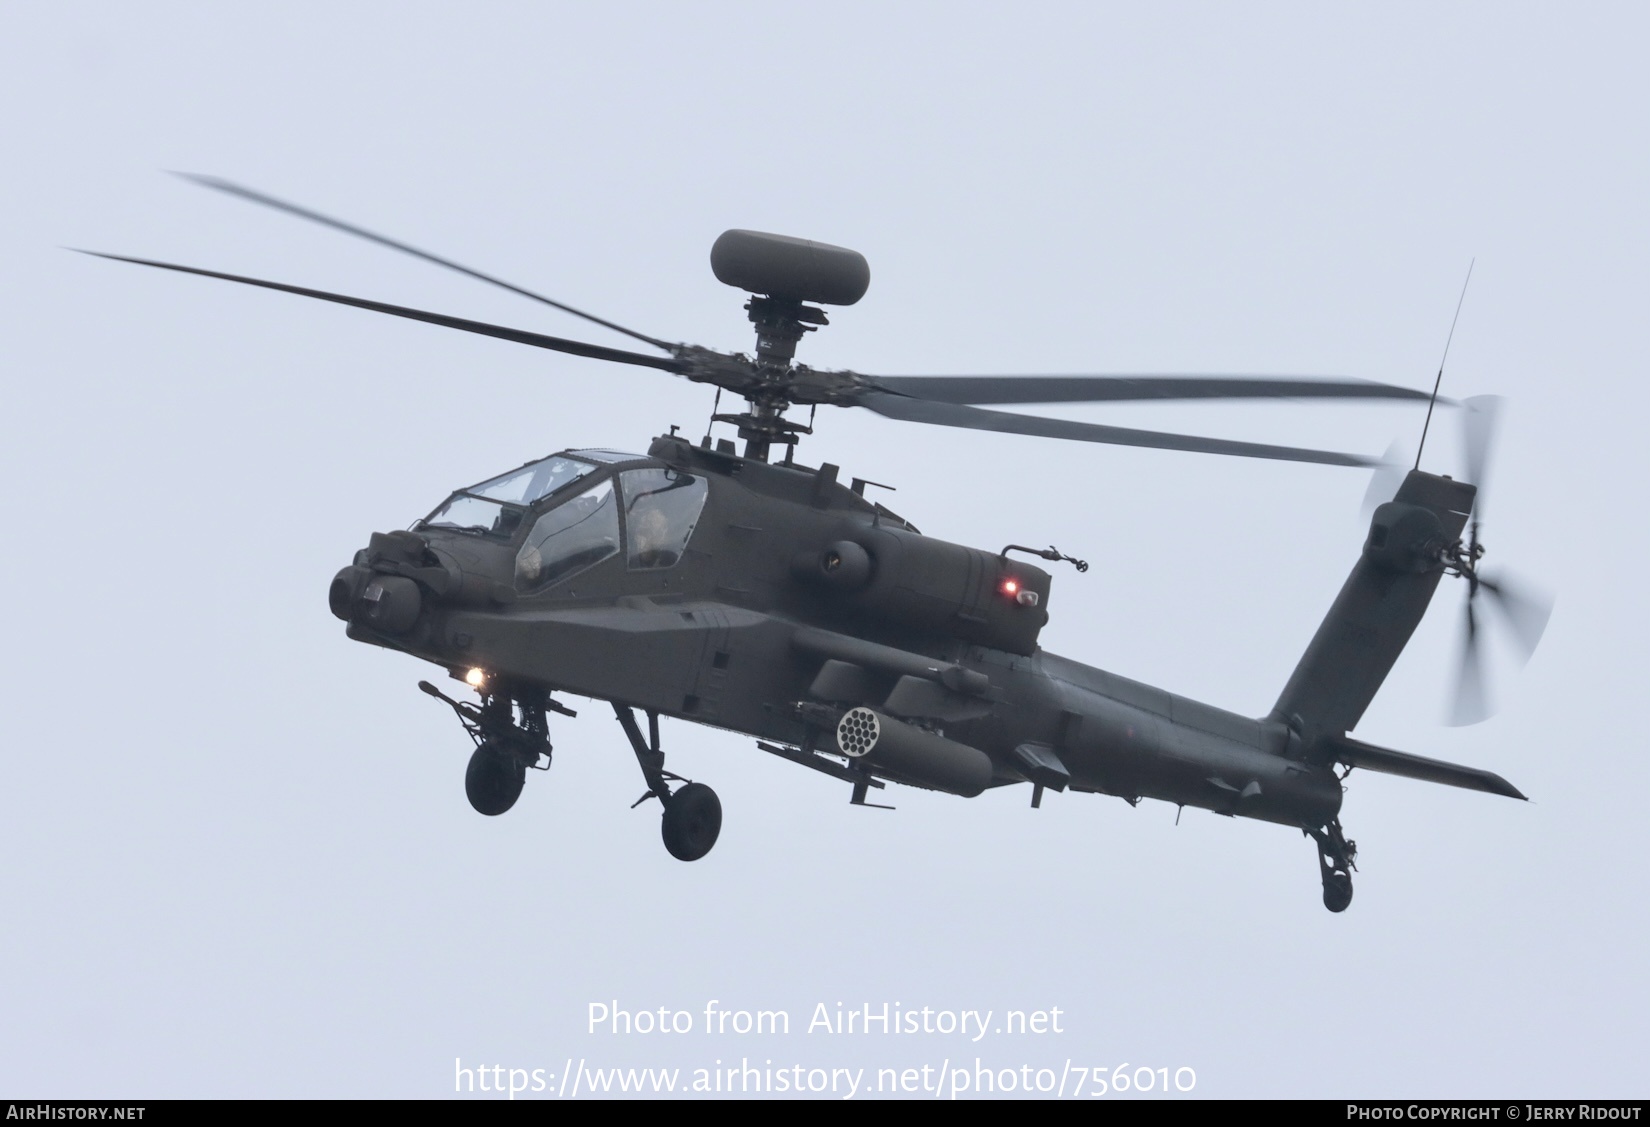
[1378,608]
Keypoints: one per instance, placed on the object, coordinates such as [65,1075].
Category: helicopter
[747,591]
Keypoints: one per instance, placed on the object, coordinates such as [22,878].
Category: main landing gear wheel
[693,813]
[494,779]
[693,819]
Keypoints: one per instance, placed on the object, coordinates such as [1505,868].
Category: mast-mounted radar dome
[790,269]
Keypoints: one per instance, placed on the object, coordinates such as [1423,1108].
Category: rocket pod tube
[912,754]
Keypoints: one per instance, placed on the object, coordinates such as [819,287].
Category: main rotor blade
[1096,389]
[1471,703]
[975,418]
[1526,611]
[520,336]
[383,240]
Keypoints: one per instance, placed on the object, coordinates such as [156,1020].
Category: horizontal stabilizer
[1356,753]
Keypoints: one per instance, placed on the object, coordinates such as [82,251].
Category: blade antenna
[1439,381]
[714,407]
[257,197]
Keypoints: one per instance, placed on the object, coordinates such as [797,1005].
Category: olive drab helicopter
[745,590]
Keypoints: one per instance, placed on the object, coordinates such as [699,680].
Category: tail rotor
[1522,608]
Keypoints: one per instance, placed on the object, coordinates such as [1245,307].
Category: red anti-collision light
[1010,587]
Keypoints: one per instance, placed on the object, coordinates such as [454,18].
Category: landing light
[476,678]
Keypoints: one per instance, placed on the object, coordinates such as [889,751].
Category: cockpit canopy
[648,512]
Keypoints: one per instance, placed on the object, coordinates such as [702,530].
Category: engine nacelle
[935,586]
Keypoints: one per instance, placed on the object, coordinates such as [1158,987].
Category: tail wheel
[493,780]
[1337,891]
[692,821]
[1336,856]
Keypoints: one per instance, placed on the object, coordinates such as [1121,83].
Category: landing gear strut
[505,748]
[1335,864]
[692,814]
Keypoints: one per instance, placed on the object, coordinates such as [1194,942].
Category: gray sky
[237,858]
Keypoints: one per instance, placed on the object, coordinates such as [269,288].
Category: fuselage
[767,599]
